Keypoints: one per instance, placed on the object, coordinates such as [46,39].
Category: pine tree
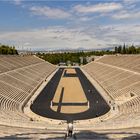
[124,49]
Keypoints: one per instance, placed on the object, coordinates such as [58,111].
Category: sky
[69,24]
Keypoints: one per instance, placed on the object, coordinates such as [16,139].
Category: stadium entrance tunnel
[56,102]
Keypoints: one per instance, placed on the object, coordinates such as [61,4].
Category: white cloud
[123,33]
[51,38]
[126,15]
[84,19]
[71,38]
[17,2]
[130,1]
[121,15]
[100,8]
[49,12]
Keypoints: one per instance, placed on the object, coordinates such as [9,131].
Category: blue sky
[65,24]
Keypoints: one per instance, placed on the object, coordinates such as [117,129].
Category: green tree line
[56,58]
[127,50]
[5,49]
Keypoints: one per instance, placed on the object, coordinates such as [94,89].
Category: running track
[98,105]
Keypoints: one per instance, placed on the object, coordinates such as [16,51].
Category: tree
[120,49]
[132,50]
[116,49]
[124,49]
[5,49]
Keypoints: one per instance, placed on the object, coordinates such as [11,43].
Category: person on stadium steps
[70,129]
